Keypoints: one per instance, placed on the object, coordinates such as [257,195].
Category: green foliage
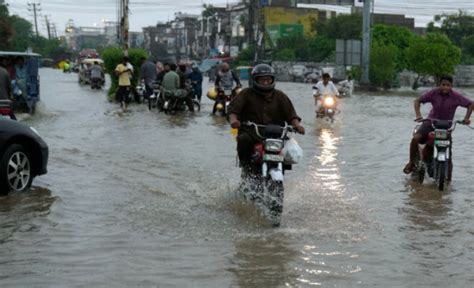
[343,26]
[286,54]
[209,10]
[383,59]
[460,29]
[246,57]
[400,37]
[321,48]
[113,56]
[301,48]
[22,33]
[433,55]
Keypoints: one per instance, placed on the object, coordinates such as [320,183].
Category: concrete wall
[283,70]
[464,76]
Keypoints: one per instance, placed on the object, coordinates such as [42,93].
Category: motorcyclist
[147,75]
[171,82]
[324,87]
[263,105]
[196,81]
[224,81]
[97,73]
[444,101]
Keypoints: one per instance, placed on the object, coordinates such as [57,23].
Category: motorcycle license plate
[273,157]
[442,142]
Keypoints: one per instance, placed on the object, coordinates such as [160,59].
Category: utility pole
[36,9]
[366,41]
[124,26]
[48,27]
[260,49]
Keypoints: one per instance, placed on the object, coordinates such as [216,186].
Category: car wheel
[15,170]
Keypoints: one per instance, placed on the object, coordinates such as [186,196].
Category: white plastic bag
[292,152]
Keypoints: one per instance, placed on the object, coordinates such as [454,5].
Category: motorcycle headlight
[273,145]
[329,101]
[441,134]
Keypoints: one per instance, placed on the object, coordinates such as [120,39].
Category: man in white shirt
[323,88]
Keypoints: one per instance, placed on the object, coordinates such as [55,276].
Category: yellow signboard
[284,15]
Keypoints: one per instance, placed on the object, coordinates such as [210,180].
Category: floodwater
[148,200]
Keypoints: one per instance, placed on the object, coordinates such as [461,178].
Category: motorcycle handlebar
[286,129]
[453,126]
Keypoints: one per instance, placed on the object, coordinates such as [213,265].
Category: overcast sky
[148,12]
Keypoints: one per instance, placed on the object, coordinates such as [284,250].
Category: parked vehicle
[264,181]
[434,156]
[23,156]
[26,91]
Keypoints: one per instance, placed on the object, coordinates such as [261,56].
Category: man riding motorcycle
[444,101]
[324,88]
[263,105]
[171,82]
[224,81]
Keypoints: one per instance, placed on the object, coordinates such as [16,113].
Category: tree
[285,55]
[456,27]
[208,10]
[432,55]
[400,37]
[22,33]
[343,26]
[383,59]
[322,49]
[246,57]
[459,28]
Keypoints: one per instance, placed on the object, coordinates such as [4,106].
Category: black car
[23,156]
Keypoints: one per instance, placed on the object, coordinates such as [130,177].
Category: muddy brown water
[148,200]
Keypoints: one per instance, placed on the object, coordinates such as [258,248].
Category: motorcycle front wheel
[275,194]
[196,105]
[440,174]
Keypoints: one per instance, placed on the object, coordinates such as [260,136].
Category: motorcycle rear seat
[442,124]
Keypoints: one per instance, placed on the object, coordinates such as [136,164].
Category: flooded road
[147,200]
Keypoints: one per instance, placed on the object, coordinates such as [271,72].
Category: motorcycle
[263,181]
[224,96]
[96,83]
[434,156]
[176,101]
[156,99]
[328,107]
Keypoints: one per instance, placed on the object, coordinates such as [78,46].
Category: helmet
[259,71]
[212,93]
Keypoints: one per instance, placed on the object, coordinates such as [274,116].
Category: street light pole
[366,42]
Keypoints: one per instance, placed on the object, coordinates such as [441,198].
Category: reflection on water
[264,262]
[328,171]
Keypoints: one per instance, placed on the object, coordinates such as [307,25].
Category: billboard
[283,30]
[291,16]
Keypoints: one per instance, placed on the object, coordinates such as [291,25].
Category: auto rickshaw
[23,68]
[85,72]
